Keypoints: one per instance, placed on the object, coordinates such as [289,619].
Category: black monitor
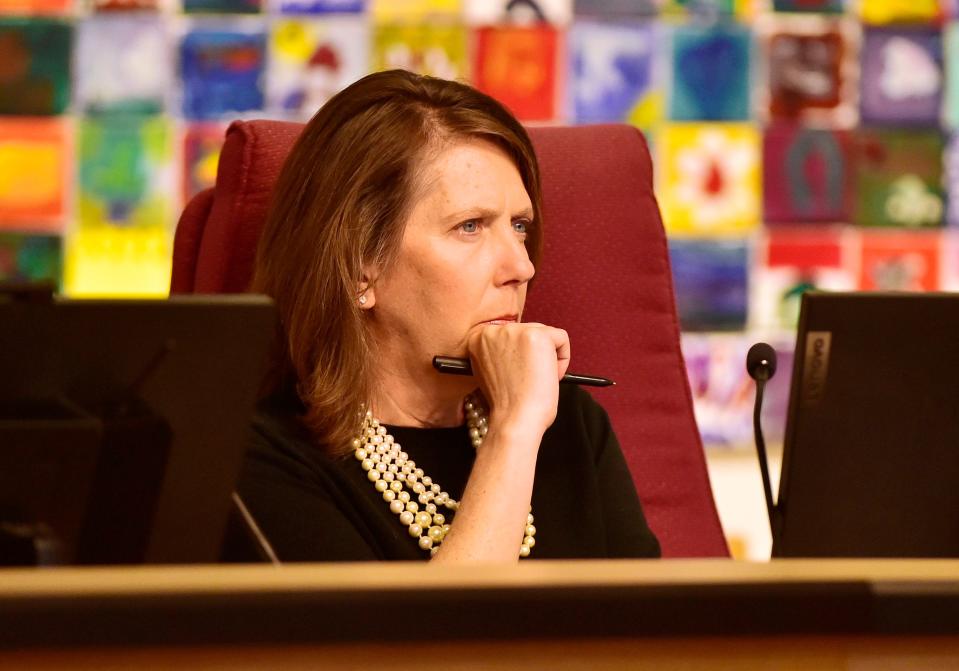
[123,423]
[871,451]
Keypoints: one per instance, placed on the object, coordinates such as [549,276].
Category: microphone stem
[761,453]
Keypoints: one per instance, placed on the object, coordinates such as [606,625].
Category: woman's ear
[365,294]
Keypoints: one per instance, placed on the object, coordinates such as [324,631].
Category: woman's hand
[518,367]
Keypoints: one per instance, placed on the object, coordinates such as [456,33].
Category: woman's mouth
[505,319]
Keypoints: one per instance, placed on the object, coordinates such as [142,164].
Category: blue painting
[902,76]
[320,6]
[711,73]
[710,278]
[612,73]
[222,73]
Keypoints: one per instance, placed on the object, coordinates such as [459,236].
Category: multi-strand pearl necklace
[394,475]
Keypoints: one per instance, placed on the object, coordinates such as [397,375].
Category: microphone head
[761,361]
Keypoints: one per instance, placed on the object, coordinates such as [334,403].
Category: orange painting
[517,66]
[33,174]
[35,6]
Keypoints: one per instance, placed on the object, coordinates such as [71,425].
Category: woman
[406,223]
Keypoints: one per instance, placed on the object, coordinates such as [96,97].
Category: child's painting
[202,143]
[902,76]
[34,66]
[951,179]
[318,6]
[708,179]
[137,83]
[810,71]
[723,393]
[711,283]
[34,173]
[125,166]
[613,74]
[522,12]
[900,261]
[615,8]
[899,178]
[518,66]
[806,175]
[791,261]
[880,12]
[113,263]
[310,60]
[35,7]
[710,73]
[808,6]
[411,12]
[436,49]
[221,6]
[30,258]
[222,72]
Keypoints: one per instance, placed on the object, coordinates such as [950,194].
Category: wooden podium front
[717,614]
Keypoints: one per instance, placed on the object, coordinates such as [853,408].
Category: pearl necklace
[392,471]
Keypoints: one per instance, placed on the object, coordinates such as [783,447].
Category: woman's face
[462,261]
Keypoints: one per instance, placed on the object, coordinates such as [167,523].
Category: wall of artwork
[797,143]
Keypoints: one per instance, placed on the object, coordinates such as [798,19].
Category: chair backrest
[604,277]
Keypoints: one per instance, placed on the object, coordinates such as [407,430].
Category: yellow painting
[898,11]
[385,11]
[430,49]
[33,174]
[118,263]
[709,178]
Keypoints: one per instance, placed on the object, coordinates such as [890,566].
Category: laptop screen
[871,451]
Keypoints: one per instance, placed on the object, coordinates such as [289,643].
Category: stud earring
[362,299]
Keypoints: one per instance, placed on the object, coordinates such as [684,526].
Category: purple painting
[902,77]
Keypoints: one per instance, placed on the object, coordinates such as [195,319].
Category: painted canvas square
[723,392]
[312,59]
[118,263]
[103,6]
[221,6]
[810,71]
[414,11]
[793,260]
[30,258]
[879,12]
[708,178]
[711,283]
[517,66]
[222,72]
[437,49]
[806,174]
[318,6]
[34,65]
[898,178]
[34,173]
[950,47]
[522,12]
[900,261]
[615,8]
[35,7]
[950,161]
[612,73]
[125,173]
[709,9]
[902,76]
[710,73]
[202,143]
[124,63]
[812,6]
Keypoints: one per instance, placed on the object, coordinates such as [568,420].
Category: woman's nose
[514,264]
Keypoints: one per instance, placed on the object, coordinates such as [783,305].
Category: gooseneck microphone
[761,366]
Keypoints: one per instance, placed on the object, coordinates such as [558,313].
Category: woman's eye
[469,226]
[520,226]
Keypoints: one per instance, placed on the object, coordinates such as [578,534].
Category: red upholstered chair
[604,277]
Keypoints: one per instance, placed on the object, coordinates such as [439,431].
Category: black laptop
[871,451]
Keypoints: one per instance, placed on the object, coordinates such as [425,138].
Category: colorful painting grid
[796,143]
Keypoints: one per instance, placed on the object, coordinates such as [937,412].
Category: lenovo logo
[815,367]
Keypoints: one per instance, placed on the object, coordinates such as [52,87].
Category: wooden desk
[787,614]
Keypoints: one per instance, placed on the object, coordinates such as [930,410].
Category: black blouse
[315,508]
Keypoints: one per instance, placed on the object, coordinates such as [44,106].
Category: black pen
[456,366]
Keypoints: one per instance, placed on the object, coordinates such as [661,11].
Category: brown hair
[340,203]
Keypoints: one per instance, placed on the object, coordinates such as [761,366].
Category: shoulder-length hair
[340,204]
